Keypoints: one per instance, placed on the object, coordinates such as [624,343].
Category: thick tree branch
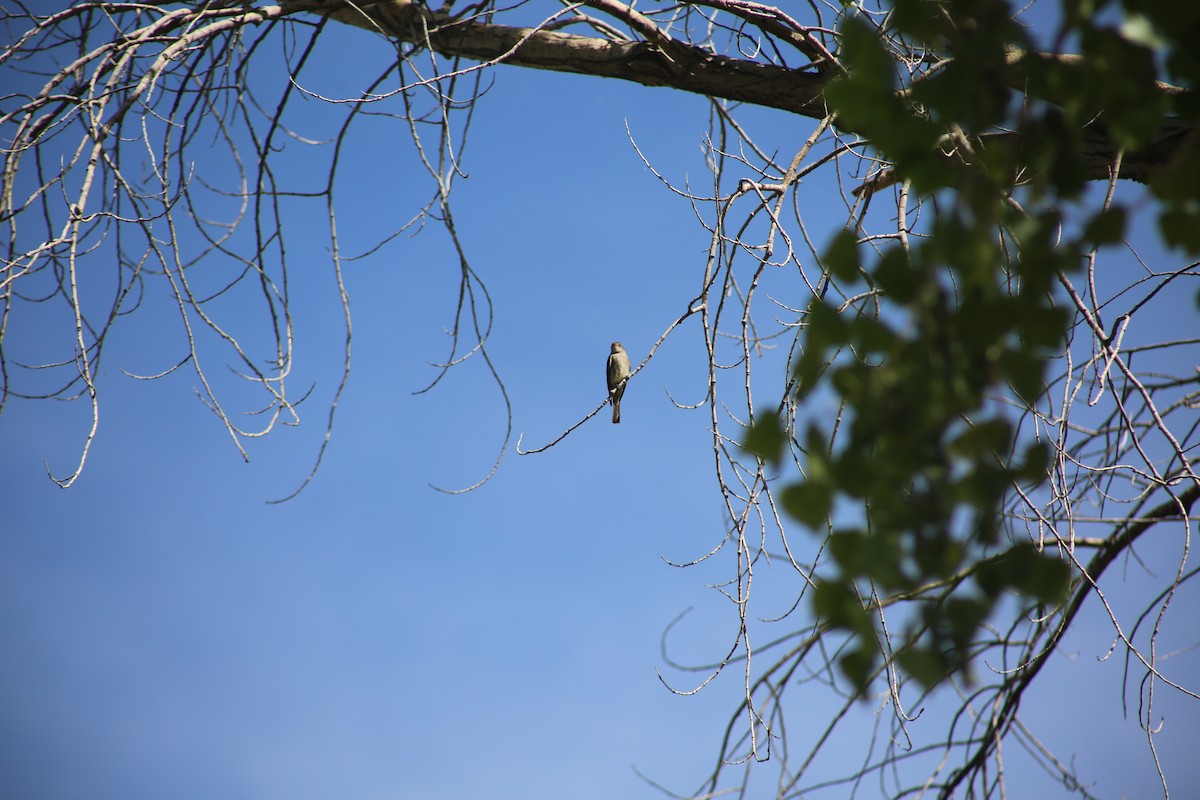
[681,65]
[685,66]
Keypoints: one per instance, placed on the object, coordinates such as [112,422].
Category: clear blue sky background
[166,633]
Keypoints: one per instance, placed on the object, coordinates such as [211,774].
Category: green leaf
[824,329]
[991,576]
[1138,29]
[1047,579]
[939,557]
[841,257]
[895,275]
[1042,326]
[983,440]
[1024,372]
[1028,571]
[850,550]
[870,335]
[964,615]
[1034,463]
[1107,227]
[927,666]
[1181,229]
[867,102]
[858,665]
[766,438]
[836,604]
[809,503]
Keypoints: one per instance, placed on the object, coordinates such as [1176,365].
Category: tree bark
[675,64]
[684,66]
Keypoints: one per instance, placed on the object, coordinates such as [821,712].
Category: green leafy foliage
[810,502]
[970,311]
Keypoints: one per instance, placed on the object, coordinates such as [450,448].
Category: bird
[617,371]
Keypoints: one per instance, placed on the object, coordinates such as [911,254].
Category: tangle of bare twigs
[101,168]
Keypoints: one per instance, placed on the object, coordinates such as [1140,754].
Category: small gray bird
[618,370]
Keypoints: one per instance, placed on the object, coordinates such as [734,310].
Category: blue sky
[170,634]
